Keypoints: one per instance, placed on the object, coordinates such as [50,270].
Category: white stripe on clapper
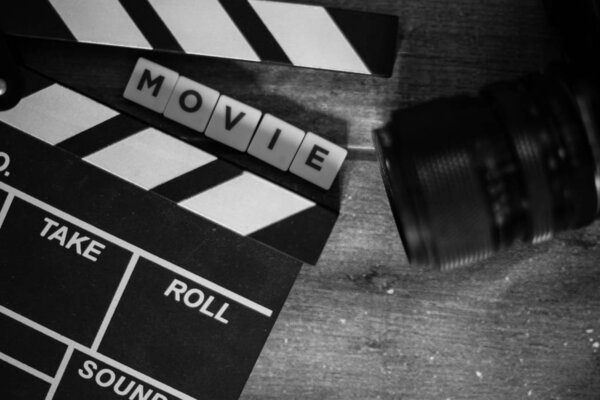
[5,208]
[247,203]
[149,158]
[115,301]
[204,27]
[100,21]
[308,36]
[55,114]
[24,367]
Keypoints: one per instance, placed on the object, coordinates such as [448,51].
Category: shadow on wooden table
[543,330]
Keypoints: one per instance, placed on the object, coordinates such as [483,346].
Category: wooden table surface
[363,324]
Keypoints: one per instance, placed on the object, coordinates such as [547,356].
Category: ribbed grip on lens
[457,208]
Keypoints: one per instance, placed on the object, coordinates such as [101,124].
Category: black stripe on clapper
[33,83]
[373,36]
[151,25]
[197,181]
[255,31]
[102,135]
[302,235]
[33,18]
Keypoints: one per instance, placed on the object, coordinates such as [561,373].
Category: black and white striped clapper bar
[252,30]
[236,199]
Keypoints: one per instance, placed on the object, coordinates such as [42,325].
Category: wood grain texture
[362,324]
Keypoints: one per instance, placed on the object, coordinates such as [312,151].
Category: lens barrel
[469,176]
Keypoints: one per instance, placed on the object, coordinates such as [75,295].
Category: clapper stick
[255,30]
[196,180]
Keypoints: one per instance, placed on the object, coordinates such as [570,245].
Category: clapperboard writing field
[110,289]
[253,30]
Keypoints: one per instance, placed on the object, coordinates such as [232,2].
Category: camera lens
[469,176]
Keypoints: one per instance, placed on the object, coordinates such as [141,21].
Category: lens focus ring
[457,208]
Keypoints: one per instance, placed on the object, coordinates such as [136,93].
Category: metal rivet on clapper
[3,87]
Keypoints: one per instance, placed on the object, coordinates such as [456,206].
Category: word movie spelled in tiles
[235,124]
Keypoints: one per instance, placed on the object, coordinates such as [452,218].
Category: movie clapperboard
[134,264]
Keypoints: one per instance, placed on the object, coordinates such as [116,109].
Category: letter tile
[191,104]
[318,160]
[150,85]
[233,123]
[276,142]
